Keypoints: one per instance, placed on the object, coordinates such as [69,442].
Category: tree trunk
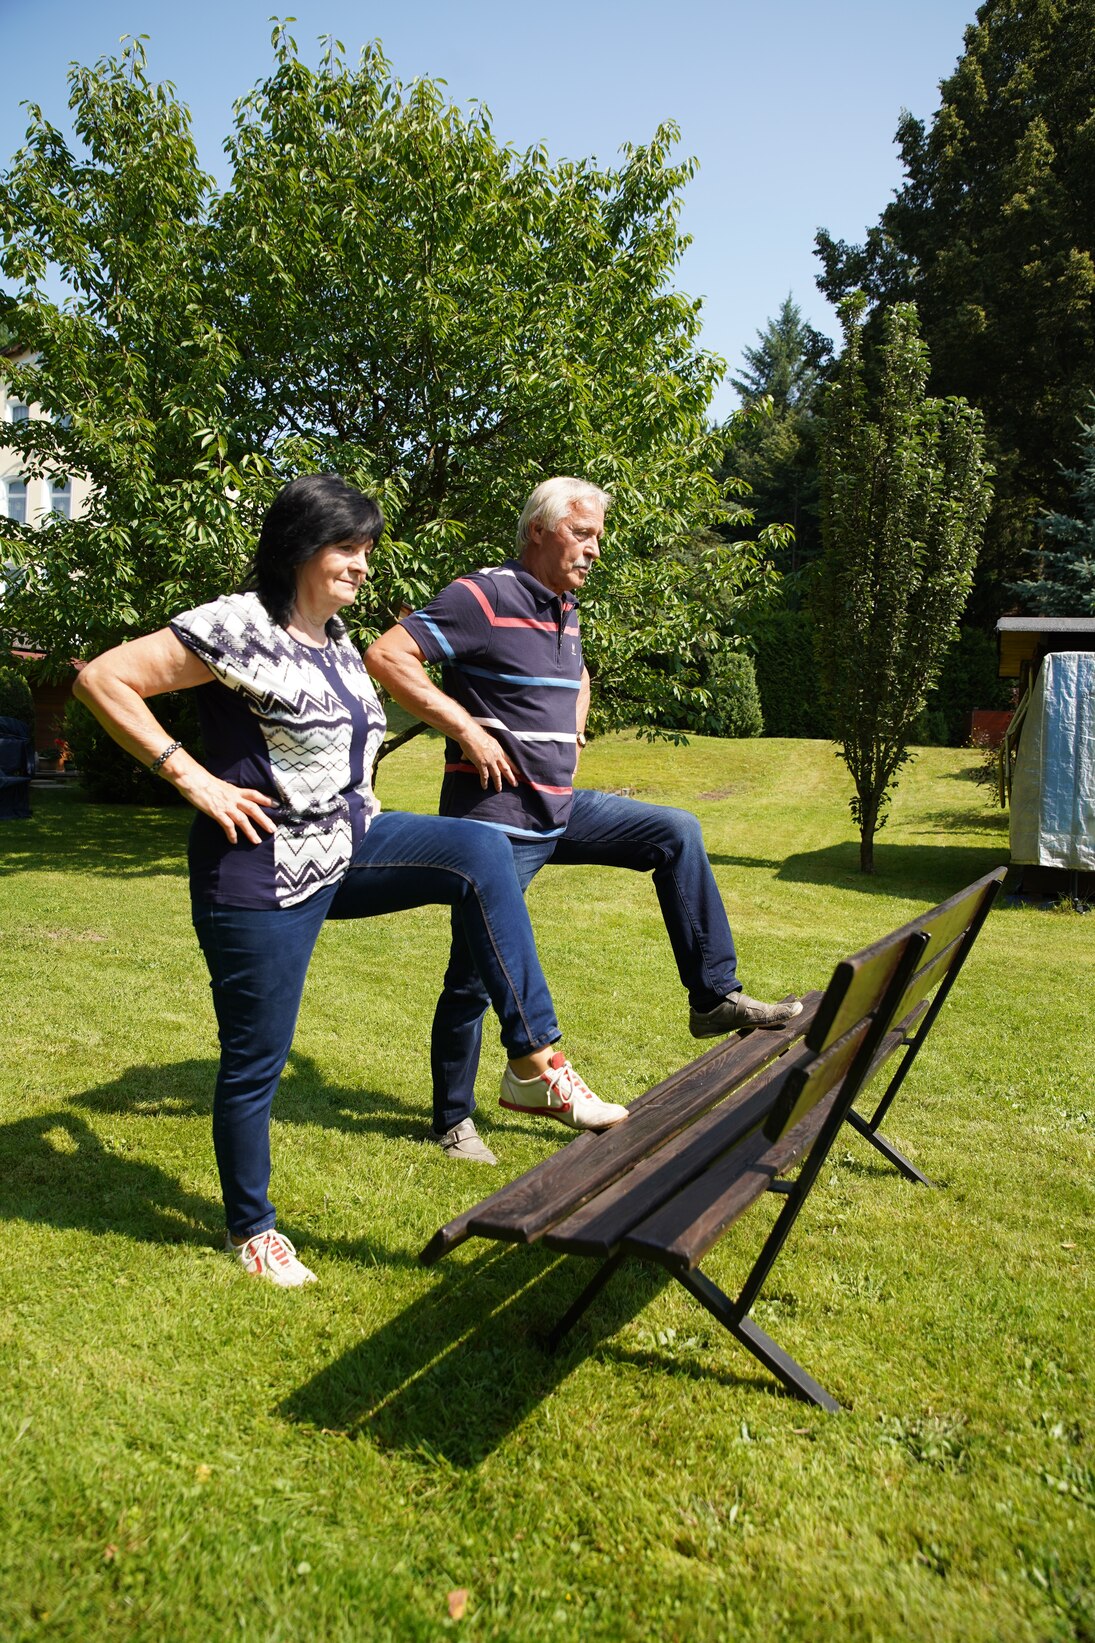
[868,824]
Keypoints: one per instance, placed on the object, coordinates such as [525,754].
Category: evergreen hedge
[16,701]
[108,774]
[786,675]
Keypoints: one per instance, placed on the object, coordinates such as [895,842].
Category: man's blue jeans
[258,960]
[604,830]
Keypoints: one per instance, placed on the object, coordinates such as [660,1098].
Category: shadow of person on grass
[54,1168]
[107,1191]
[184,1089]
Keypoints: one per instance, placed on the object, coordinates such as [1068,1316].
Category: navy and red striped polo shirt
[511,654]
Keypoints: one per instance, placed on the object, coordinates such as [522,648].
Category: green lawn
[189,1455]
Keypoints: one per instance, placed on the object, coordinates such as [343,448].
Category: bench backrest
[880,991]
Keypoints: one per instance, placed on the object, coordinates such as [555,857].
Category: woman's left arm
[115,686]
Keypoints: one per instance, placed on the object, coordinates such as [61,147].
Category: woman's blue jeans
[258,960]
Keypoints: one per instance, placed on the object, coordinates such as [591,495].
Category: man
[513,708]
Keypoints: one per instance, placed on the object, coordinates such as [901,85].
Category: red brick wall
[49,713]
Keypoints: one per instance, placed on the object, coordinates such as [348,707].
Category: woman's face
[331,578]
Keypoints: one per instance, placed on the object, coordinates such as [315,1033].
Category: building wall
[50,701]
[32,500]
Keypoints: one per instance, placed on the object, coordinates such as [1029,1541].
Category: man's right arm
[396,662]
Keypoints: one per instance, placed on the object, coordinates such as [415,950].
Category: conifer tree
[993,237]
[776,455]
[1065,585]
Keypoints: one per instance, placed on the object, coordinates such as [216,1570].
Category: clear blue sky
[790,106]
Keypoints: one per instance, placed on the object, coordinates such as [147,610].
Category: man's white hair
[550,501]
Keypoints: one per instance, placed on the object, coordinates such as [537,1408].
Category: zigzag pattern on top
[321,723]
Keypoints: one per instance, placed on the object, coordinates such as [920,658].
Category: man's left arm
[582,713]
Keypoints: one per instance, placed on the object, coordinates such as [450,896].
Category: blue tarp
[1053,785]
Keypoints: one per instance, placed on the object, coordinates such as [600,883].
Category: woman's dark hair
[308,514]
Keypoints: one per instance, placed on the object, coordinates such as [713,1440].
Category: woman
[288,834]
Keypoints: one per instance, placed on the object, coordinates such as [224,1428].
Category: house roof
[1022,639]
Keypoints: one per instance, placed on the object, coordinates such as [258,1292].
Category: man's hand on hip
[489,759]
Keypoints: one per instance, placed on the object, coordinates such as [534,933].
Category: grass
[188,1455]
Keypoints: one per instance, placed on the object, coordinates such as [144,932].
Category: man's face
[562,557]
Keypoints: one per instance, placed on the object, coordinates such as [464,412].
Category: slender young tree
[905,493]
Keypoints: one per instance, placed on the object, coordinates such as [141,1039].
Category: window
[13,499]
[18,410]
[60,497]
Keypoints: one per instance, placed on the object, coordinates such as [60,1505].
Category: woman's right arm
[115,686]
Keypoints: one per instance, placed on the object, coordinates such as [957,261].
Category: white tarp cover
[1053,786]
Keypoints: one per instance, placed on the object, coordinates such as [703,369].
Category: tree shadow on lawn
[911,871]
[67,834]
[458,1370]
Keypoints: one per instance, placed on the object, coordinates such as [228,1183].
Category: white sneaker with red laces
[558,1092]
[270,1255]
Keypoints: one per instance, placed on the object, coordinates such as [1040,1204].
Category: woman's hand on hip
[235,809]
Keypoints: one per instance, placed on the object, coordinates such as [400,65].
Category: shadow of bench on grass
[459,1369]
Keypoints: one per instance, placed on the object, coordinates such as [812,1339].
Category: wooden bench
[700,1148]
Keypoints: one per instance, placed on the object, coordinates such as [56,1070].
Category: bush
[786,675]
[969,680]
[734,708]
[16,701]
[110,775]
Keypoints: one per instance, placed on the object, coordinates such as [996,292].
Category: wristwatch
[582,738]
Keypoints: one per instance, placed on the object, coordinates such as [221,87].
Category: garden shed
[1049,751]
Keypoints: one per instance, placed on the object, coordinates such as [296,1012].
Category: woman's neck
[310,627]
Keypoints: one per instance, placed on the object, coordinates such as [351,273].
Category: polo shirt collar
[542,595]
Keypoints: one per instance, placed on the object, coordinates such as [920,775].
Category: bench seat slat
[604,1220]
[597,1226]
[679,1239]
[524,1209]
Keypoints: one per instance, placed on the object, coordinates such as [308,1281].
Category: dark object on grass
[16,769]
[698,1150]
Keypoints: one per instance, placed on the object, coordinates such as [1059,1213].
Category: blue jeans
[258,960]
[604,830]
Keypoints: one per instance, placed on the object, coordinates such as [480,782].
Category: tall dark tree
[1065,580]
[993,236]
[776,454]
[905,492]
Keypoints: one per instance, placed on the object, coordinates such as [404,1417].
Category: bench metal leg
[589,1294]
[762,1346]
[887,1149]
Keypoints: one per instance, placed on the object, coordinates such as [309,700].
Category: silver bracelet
[154,767]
